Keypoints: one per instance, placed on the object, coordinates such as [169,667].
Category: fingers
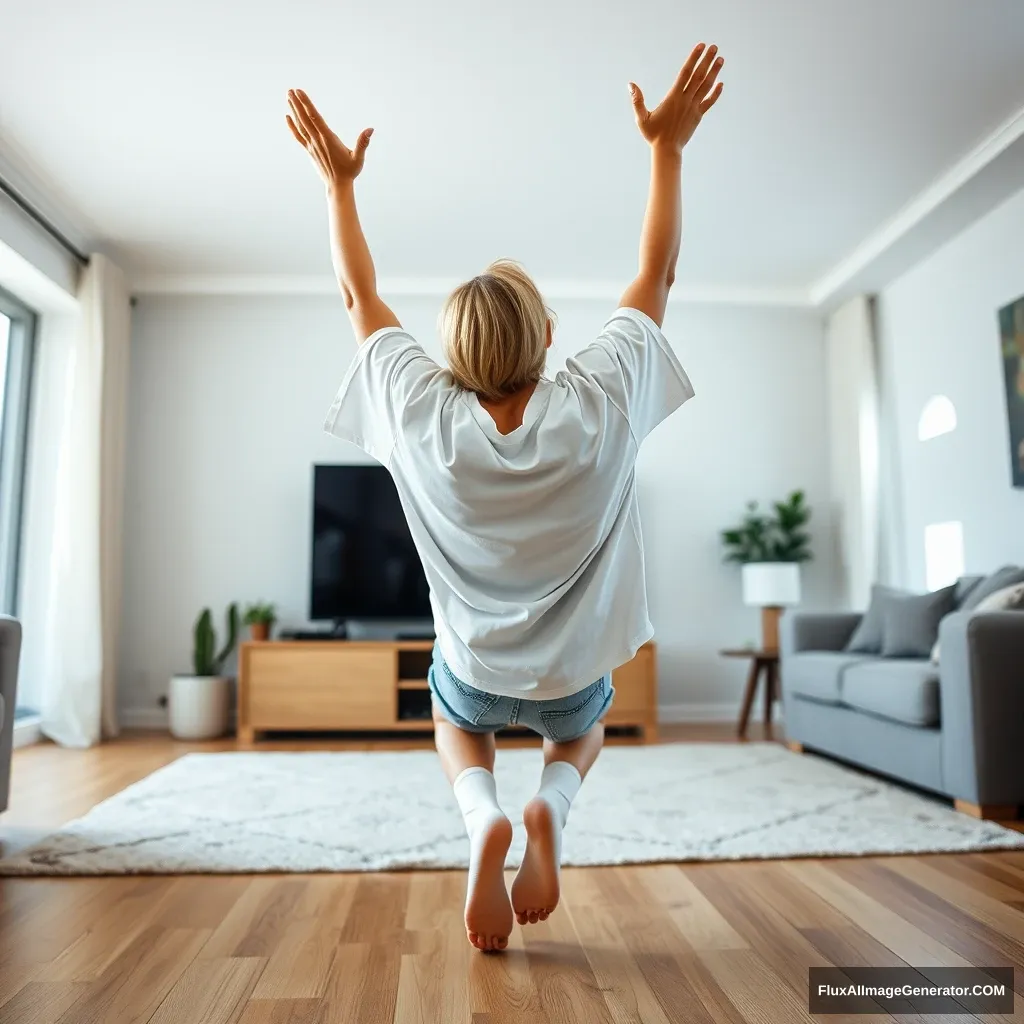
[362,142]
[709,80]
[312,112]
[295,130]
[687,69]
[701,72]
[638,103]
[300,111]
[711,99]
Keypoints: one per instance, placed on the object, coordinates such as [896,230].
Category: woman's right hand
[694,92]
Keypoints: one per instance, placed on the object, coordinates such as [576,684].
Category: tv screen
[364,563]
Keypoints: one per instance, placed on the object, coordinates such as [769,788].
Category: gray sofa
[10,651]
[956,728]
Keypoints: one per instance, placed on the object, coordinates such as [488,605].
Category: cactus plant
[206,660]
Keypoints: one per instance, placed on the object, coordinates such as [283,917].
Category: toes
[544,914]
[501,943]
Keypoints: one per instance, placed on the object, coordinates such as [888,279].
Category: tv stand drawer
[332,687]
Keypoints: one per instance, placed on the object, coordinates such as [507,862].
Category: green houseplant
[260,618]
[199,703]
[770,547]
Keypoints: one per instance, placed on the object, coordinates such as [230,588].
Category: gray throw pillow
[964,586]
[999,580]
[867,637]
[911,624]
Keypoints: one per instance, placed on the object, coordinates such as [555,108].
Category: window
[943,554]
[17,338]
[937,417]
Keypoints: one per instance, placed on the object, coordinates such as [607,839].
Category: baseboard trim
[676,714]
[27,732]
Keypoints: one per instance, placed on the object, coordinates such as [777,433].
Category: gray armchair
[10,651]
[956,727]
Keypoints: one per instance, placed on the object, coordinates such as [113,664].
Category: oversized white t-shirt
[530,541]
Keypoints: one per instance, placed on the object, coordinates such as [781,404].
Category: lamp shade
[771,584]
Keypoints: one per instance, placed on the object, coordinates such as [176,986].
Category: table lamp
[771,586]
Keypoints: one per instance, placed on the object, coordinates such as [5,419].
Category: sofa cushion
[911,623]
[904,691]
[818,675]
[1000,579]
[867,637]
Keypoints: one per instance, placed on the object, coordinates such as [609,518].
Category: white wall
[227,401]
[939,335]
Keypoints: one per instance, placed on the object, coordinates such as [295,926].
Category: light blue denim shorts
[562,720]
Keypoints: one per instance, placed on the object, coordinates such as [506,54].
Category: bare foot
[488,910]
[535,890]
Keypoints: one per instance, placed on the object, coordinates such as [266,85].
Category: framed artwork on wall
[1011,339]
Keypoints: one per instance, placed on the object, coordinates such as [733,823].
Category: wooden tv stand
[376,686]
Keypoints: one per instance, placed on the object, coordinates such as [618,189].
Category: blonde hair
[494,331]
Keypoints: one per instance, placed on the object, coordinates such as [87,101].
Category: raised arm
[339,167]
[667,129]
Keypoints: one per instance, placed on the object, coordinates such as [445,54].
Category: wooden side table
[761,662]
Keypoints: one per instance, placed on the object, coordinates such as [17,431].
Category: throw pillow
[867,637]
[1009,599]
[911,624]
[1000,579]
[964,586]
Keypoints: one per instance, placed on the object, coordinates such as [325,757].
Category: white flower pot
[199,706]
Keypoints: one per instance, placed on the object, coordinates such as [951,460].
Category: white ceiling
[501,129]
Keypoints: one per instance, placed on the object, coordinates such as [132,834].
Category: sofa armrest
[817,631]
[981,686]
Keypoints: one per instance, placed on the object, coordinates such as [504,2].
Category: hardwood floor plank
[280,1011]
[778,944]
[759,995]
[254,922]
[378,909]
[915,946]
[432,982]
[41,1002]
[210,992]
[301,963]
[13,978]
[696,917]
[201,901]
[566,987]
[627,994]
[99,945]
[136,982]
[363,986]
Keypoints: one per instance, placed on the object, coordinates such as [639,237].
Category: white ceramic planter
[199,706]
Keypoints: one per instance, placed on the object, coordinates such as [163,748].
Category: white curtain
[79,689]
[854,446]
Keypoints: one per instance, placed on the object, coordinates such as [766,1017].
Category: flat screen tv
[365,565]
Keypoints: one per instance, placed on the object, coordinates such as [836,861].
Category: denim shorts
[560,720]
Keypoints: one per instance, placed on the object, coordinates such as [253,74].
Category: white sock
[477,795]
[559,784]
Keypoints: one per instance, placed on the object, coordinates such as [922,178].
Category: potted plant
[260,619]
[199,704]
[770,547]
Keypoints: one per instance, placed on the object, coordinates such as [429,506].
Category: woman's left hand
[333,159]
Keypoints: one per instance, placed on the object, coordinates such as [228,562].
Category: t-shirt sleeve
[632,362]
[389,372]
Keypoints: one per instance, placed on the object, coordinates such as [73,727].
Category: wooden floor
[667,943]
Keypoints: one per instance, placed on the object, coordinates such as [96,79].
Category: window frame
[14,431]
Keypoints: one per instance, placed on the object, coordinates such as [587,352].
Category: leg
[468,759]
[797,748]
[748,697]
[536,889]
[769,696]
[988,812]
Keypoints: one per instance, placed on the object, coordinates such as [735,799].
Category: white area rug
[255,812]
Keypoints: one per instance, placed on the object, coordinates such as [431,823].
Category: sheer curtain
[79,689]
[854,445]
